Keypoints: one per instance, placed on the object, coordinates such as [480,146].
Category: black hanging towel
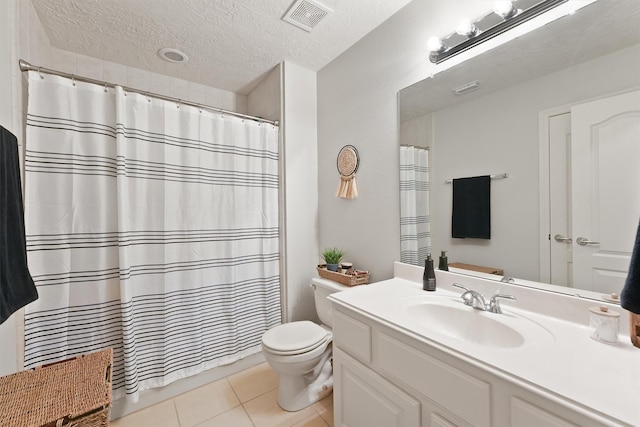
[16,285]
[630,296]
[471,216]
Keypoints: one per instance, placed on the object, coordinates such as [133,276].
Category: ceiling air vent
[469,87]
[306,14]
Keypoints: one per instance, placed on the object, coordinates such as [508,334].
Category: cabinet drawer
[458,392]
[524,414]
[352,336]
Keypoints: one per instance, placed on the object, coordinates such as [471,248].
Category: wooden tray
[345,279]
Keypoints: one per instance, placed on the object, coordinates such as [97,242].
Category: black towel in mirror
[471,217]
[16,285]
[630,296]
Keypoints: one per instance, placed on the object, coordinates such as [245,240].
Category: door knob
[562,239]
[583,241]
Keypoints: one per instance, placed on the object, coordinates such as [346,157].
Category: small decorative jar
[346,266]
[604,324]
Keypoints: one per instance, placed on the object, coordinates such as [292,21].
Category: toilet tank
[322,288]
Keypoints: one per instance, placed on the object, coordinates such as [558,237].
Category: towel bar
[498,176]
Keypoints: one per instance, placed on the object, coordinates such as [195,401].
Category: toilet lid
[294,336]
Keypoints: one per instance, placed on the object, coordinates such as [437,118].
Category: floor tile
[265,412]
[253,382]
[236,417]
[205,402]
[162,414]
[326,412]
[328,400]
[313,421]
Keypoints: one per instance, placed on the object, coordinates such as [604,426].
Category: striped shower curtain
[152,228]
[415,234]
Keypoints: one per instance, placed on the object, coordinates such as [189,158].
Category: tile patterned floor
[245,399]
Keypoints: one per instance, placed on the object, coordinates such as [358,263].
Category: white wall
[499,133]
[357,104]
[288,94]
[8,330]
[300,153]
[265,99]
[417,131]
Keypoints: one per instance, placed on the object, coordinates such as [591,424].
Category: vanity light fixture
[505,16]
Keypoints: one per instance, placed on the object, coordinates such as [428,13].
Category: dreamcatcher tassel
[347,188]
[347,166]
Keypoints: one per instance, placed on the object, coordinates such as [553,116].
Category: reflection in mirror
[415,242]
[559,110]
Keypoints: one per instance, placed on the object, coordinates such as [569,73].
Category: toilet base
[296,392]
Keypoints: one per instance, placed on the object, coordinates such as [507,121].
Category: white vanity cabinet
[385,376]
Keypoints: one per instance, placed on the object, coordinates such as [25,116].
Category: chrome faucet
[494,304]
[476,300]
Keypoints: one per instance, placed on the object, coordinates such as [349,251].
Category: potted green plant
[332,257]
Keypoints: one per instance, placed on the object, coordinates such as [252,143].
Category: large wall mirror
[558,109]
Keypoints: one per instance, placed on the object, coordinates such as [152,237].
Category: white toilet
[300,353]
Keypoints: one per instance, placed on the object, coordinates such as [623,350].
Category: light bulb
[434,44]
[504,8]
[466,28]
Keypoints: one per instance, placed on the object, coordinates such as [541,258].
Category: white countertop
[600,377]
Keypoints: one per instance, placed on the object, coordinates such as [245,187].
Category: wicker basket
[345,279]
[75,392]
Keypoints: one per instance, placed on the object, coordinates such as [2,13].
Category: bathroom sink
[455,320]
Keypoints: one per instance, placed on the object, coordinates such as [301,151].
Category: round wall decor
[348,162]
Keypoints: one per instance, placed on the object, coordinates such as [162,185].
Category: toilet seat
[295,338]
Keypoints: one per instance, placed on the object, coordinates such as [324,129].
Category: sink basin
[455,320]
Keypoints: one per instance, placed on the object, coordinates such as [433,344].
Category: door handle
[562,239]
[583,241]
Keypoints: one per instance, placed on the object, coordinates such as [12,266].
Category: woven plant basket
[345,279]
[74,392]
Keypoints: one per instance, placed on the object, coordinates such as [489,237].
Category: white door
[560,242]
[605,163]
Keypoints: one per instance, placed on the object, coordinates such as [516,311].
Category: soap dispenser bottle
[443,264]
[429,276]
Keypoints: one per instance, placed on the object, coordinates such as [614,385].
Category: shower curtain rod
[414,146]
[25,66]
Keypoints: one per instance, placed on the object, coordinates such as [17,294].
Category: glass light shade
[504,8]
[434,44]
[466,28]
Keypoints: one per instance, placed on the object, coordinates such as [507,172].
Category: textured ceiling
[599,28]
[231,44]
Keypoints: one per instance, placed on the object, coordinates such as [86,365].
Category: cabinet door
[438,421]
[364,398]
[524,414]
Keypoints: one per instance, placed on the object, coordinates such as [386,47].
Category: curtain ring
[178,104]
[105,88]
[148,99]
[73,80]
[40,73]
